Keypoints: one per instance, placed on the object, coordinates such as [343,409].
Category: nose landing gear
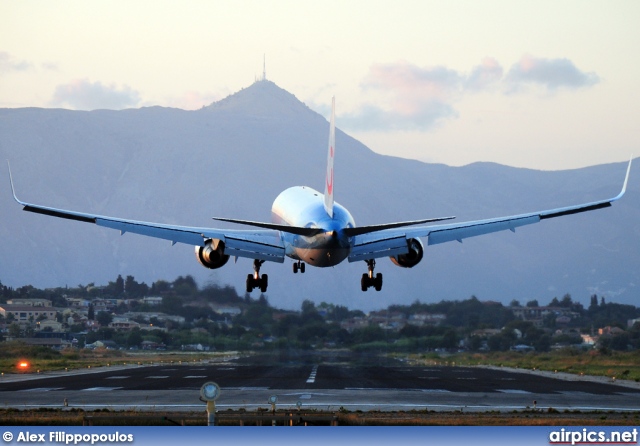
[254,280]
[368,280]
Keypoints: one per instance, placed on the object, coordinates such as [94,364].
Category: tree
[566,301]
[135,289]
[533,303]
[135,338]
[14,330]
[185,286]
[91,314]
[104,318]
[119,286]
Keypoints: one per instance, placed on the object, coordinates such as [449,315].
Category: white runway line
[312,377]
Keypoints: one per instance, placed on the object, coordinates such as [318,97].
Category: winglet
[13,190]
[626,180]
[328,187]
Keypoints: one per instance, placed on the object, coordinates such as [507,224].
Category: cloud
[8,63]
[552,74]
[193,100]
[85,95]
[484,76]
[421,98]
[418,98]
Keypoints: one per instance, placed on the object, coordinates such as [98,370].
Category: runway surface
[322,382]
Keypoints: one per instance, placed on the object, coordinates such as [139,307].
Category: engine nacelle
[413,257]
[212,255]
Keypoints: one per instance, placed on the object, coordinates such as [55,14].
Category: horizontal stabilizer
[307,232]
[360,230]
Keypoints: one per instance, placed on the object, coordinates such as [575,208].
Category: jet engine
[212,255]
[413,257]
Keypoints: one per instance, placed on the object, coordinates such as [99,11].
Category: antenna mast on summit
[264,67]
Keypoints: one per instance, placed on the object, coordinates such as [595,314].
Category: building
[123,324]
[426,319]
[538,314]
[78,302]
[152,300]
[30,302]
[27,313]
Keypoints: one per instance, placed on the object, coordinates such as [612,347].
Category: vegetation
[216,318]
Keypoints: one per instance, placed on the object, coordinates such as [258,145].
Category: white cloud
[420,98]
[8,63]
[85,95]
[552,74]
[484,76]
[192,100]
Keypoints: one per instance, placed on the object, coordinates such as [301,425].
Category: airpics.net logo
[65,438]
[588,436]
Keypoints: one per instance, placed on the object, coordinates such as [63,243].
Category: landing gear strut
[254,280]
[368,279]
[298,266]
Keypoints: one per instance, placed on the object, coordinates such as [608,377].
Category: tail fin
[328,187]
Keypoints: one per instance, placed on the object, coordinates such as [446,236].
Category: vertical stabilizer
[328,187]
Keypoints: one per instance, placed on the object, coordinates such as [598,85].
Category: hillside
[232,158]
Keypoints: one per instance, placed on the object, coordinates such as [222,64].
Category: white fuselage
[303,206]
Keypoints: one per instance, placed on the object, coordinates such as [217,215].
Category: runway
[316,382]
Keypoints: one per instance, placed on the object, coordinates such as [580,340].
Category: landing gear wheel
[254,280]
[368,280]
[264,282]
[364,282]
[249,283]
[377,283]
[298,266]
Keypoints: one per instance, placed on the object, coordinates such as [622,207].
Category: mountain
[232,158]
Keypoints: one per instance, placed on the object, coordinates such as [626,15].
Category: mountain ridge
[231,160]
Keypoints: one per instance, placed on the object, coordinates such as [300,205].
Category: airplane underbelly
[322,257]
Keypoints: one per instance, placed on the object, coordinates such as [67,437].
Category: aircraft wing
[392,242]
[255,244]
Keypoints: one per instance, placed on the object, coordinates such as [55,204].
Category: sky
[546,85]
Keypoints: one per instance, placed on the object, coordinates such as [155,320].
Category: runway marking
[247,388]
[42,389]
[575,392]
[312,377]
[95,389]
[117,377]
[512,391]
[428,377]
[226,368]
[436,391]
[306,396]
[194,376]
[466,378]
[157,377]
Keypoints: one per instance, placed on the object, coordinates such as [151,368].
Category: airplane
[311,228]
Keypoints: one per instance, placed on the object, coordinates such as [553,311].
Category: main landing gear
[368,280]
[254,280]
[298,266]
